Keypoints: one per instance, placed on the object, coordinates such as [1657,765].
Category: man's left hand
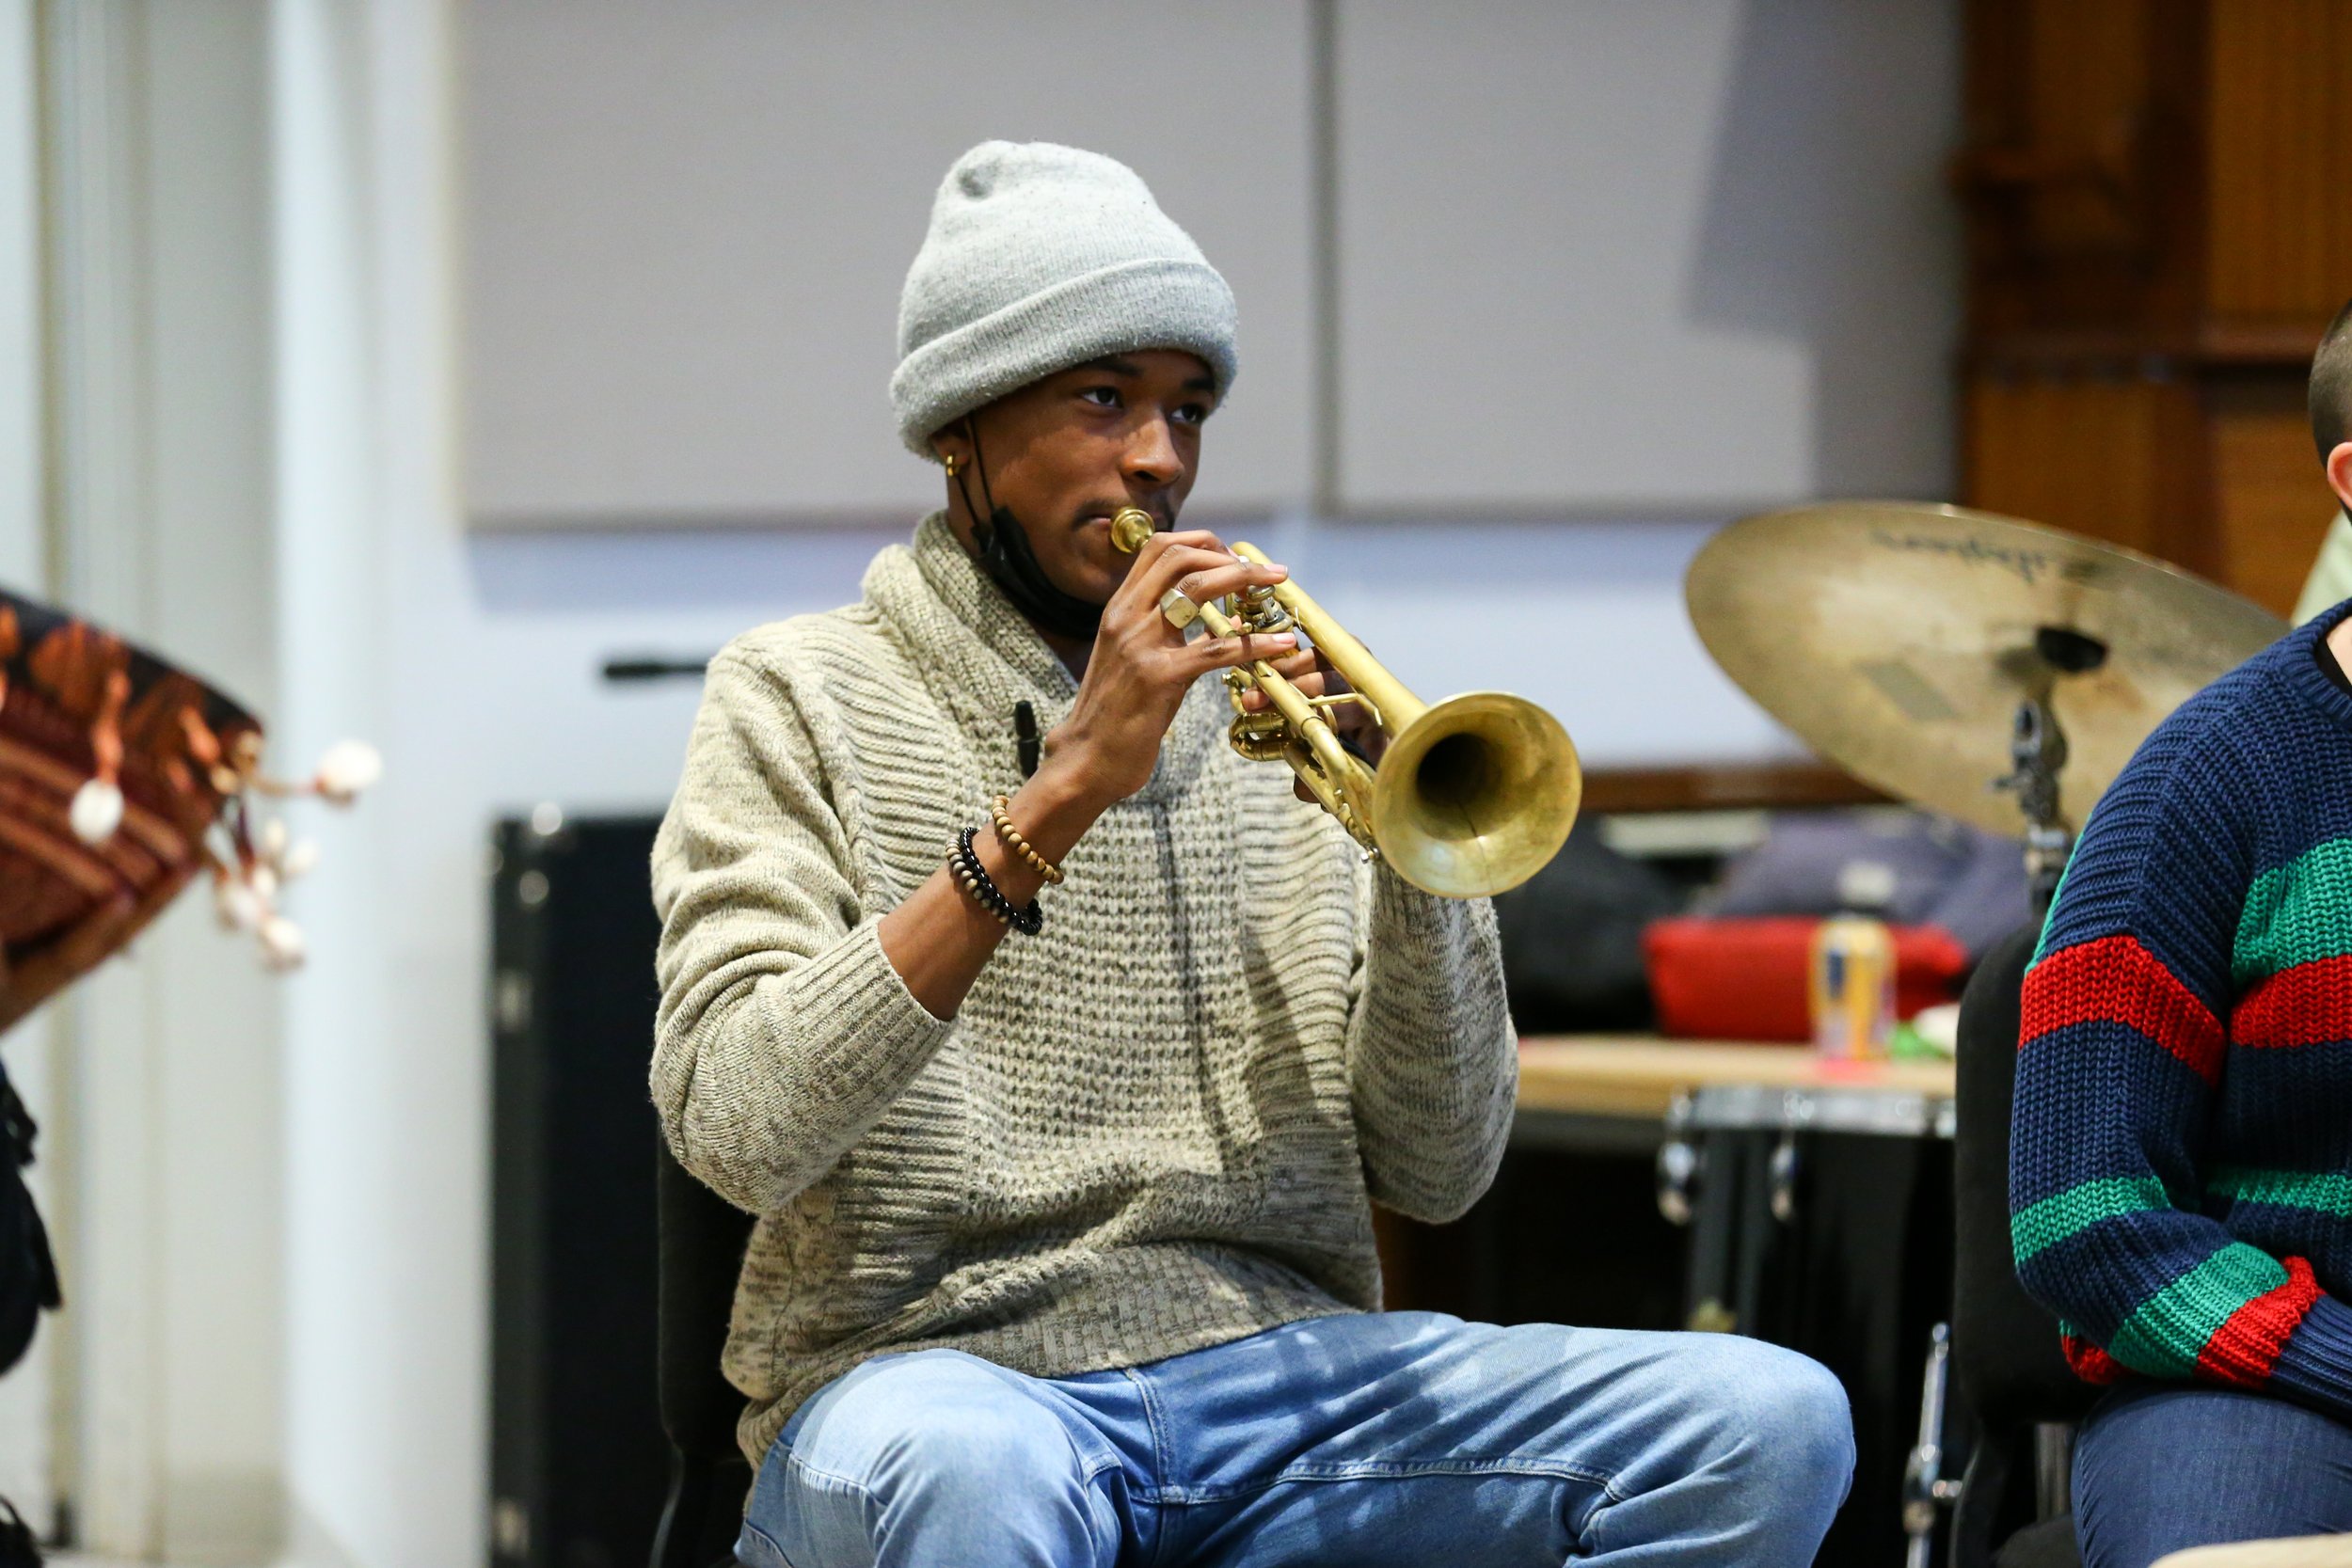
[1308,671]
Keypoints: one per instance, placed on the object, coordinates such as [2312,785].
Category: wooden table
[1639,1076]
[2306,1551]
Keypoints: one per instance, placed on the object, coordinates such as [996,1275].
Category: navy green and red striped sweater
[2181,1162]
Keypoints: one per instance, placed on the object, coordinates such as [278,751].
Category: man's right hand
[1136,679]
[1141,666]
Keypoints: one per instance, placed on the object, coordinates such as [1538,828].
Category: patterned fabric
[1159,1125]
[66,904]
[2181,1161]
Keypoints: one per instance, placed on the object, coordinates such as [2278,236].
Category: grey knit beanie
[1041,257]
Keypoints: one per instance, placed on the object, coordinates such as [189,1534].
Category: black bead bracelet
[965,863]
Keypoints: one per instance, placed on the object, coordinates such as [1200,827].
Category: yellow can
[1852,982]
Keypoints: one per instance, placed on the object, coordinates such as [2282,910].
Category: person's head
[1062,455]
[2332,404]
[1061,341]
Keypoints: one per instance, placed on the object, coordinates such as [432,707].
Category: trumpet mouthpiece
[1130,526]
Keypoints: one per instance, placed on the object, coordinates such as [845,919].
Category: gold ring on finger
[1178,609]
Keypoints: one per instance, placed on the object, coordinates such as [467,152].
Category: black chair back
[2004,1345]
[703,1239]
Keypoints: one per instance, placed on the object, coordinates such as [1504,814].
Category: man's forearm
[939,939]
[1432,1062]
[766,1073]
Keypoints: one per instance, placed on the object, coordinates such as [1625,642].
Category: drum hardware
[1679,1168]
[1686,1200]
[1927,1491]
[1815,1215]
[2053,1468]
[1782,1173]
[1717,1180]
[2038,749]
[1878,1113]
[1475,793]
[1885,1113]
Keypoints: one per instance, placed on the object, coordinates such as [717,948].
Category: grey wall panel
[1600,257]
[685,228]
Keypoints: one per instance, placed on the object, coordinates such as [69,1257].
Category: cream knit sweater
[1157,1126]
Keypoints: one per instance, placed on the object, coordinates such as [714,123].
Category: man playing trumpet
[1062,1052]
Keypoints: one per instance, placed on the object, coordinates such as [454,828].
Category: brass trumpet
[1474,795]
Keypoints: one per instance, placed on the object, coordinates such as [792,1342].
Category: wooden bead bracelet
[998,811]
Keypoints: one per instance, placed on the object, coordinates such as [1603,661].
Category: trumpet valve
[1261,737]
[1256,610]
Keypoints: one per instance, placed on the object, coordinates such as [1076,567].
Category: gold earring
[951,465]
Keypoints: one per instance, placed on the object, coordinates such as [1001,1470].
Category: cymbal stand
[2037,751]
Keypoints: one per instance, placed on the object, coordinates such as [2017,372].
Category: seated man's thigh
[1410,1438]
[2160,1467]
[923,1459]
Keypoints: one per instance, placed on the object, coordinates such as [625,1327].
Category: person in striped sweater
[2181,1161]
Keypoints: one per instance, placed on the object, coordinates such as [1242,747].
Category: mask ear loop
[983,525]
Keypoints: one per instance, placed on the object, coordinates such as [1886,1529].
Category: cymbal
[1898,639]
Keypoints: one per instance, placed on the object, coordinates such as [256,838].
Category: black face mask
[1011,566]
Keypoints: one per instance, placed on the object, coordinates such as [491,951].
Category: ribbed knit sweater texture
[2181,1161]
[1159,1125]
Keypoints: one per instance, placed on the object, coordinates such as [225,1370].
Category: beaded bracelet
[999,812]
[965,863]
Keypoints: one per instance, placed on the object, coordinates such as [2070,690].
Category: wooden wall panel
[2088,100]
[2272,503]
[2152,394]
[2079,169]
[2101,457]
[2279,232]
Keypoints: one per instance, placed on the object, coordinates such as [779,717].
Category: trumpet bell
[1475,795]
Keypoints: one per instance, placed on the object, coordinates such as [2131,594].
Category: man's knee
[1783,1422]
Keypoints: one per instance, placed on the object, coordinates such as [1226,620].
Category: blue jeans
[2163,1466]
[1388,1438]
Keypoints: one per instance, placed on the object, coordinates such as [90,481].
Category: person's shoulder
[2248,720]
[2202,733]
[817,647]
[2205,774]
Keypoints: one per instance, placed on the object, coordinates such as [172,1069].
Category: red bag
[1745,979]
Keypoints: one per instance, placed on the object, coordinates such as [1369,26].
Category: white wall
[22,547]
[686,227]
[1593,260]
[26,1428]
[155,424]
[215,1151]
[1608,259]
